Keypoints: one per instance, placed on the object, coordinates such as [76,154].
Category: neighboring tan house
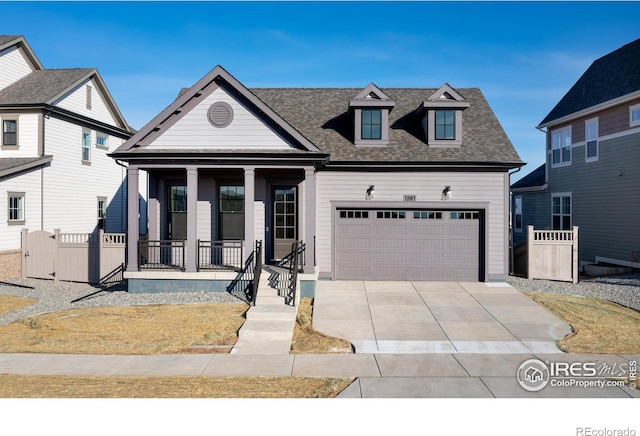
[380,184]
[58,126]
[592,171]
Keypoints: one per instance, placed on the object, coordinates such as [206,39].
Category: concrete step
[266,330]
[277,312]
[281,346]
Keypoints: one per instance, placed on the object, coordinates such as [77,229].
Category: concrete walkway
[435,317]
[378,375]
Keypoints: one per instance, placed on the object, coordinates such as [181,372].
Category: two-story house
[380,184]
[58,126]
[592,171]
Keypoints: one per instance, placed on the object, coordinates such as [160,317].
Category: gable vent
[220,114]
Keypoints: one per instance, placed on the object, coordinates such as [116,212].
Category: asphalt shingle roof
[42,86]
[322,116]
[535,178]
[609,77]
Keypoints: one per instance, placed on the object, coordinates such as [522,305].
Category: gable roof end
[7,41]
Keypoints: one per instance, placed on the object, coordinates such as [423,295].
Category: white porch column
[133,219]
[309,219]
[192,220]
[249,209]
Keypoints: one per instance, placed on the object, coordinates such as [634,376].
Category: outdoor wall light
[370,192]
[446,193]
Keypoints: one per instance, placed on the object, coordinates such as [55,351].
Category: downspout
[512,259]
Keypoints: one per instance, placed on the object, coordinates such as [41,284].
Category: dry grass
[14,386]
[156,329]
[600,326]
[308,341]
[9,303]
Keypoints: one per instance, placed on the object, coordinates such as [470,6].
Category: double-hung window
[634,115]
[561,211]
[231,212]
[591,139]
[561,146]
[445,127]
[371,124]
[15,208]
[102,140]
[9,132]
[86,146]
[517,213]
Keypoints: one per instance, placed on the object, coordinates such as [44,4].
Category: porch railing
[162,254]
[220,255]
[245,285]
[294,262]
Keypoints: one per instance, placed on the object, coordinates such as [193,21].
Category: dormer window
[371,124]
[370,109]
[443,117]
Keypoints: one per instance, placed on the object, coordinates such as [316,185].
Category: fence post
[56,257]
[575,254]
[529,251]
[24,234]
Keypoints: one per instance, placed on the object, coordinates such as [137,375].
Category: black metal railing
[220,255]
[294,262]
[161,254]
[245,285]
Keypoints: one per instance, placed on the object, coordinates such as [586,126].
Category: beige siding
[193,130]
[13,66]
[466,187]
[71,188]
[27,136]
[29,183]
[76,101]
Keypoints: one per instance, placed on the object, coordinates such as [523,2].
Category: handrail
[257,270]
[296,261]
[247,279]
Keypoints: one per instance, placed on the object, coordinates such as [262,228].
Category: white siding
[29,183]
[466,187]
[193,130]
[76,101]
[71,188]
[13,66]
[27,136]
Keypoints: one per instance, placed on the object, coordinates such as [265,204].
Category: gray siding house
[380,184]
[592,171]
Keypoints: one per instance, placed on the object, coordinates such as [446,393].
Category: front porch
[203,242]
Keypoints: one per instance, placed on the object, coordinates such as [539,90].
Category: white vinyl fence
[96,257]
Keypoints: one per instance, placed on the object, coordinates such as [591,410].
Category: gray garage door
[407,244]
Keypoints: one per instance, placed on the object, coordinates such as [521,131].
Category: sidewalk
[378,375]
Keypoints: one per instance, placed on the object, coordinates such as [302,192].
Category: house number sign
[409,197]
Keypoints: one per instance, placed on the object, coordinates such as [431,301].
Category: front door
[177,212]
[285,222]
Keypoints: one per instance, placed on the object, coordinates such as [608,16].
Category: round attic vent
[220,114]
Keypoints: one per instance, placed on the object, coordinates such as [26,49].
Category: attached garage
[408,244]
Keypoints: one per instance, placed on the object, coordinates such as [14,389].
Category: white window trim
[561,163]
[106,146]
[88,148]
[562,194]
[586,140]
[22,220]
[632,109]
[517,199]
[10,146]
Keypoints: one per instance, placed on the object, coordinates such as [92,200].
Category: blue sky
[524,56]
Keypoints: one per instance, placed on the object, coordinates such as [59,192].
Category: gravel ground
[622,289]
[54,296]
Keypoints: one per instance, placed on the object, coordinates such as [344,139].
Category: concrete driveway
[435,317]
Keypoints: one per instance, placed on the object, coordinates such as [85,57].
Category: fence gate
[38,256]
[553,254]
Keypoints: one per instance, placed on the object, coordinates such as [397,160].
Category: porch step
[269,324]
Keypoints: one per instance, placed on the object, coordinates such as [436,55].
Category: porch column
[249,197]
[133,219]
[192,220]
[309,220]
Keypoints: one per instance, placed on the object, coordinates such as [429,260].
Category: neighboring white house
[58,126]
[380,184]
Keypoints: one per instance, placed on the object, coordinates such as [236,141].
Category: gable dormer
[442,121]
[370,109]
